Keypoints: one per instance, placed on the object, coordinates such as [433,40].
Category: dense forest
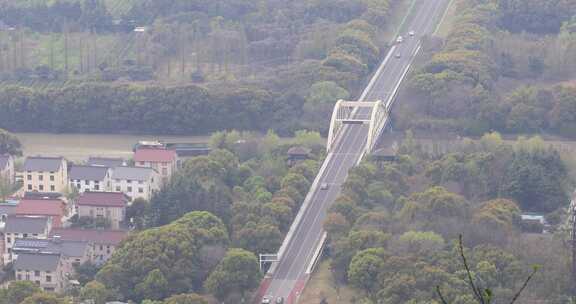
[505,65]
[393,232]
[272,59]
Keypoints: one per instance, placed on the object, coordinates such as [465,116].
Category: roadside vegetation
[504,66]
[393,233]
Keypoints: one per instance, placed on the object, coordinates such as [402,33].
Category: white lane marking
[320,211]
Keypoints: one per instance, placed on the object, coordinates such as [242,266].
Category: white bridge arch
[353,112]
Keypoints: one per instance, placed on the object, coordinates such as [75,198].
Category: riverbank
[78,147]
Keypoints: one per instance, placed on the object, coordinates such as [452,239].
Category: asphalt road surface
[290,271]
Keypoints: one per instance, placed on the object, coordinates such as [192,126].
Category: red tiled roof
[98,236]
[104,199]
[155,155]
[49,207]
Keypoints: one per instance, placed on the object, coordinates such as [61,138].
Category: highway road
[289,276]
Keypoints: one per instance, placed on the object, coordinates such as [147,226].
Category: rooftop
[48,207]
[298,150]
[105,162]
[95,173]
[26,224]
[98,236]
[67,248]
[37,163]
[37,261]
[155,155]
[132,173]
[104,199]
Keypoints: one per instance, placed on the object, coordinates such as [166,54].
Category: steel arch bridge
[372,113]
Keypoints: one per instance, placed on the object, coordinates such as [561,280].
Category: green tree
[45,298]
[20,290]
[9,144]
[96,292]
[365,268]
[154,286]
[189,298]
[237,272]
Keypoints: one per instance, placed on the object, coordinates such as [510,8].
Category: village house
[71,252]
[53,208]
[90,178]
[103,242]
[109,162]
[164,161]
[45,174]
[108,205]
[34,227]
[7,172]
[136,182]
[297,154]
[45,269]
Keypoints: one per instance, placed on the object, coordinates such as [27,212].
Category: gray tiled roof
[105,162]
[37,261]
[88,173]
[132,173]
[37,163]
[4,160]
[64,247]
[25,224]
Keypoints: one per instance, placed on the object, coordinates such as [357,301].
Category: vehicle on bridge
[324,186]
[400,39]
[279,300]
[267,300]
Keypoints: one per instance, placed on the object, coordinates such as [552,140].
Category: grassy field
[78,147]
[322,286]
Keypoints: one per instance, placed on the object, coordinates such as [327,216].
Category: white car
[266,300]
[323,186]
[399,39]
[411,33]
[398,55]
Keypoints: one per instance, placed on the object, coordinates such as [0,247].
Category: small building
[297,154]
[136,182]
[45,269]
[108,205]
[7,172]
[71,252]
[164,161]
[109,162]
[388,154]
[533,222]
[90,178]
[55,209]
[33,227]
[103,242]
[45,174]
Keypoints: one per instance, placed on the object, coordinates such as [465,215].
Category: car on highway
[411,33]
[279,300]
[266,300]
[398,55]
[399,39]
[323,186]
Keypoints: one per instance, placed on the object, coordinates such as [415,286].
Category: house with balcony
[45,174]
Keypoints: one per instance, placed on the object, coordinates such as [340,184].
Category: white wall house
[136,182]
[90,178]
